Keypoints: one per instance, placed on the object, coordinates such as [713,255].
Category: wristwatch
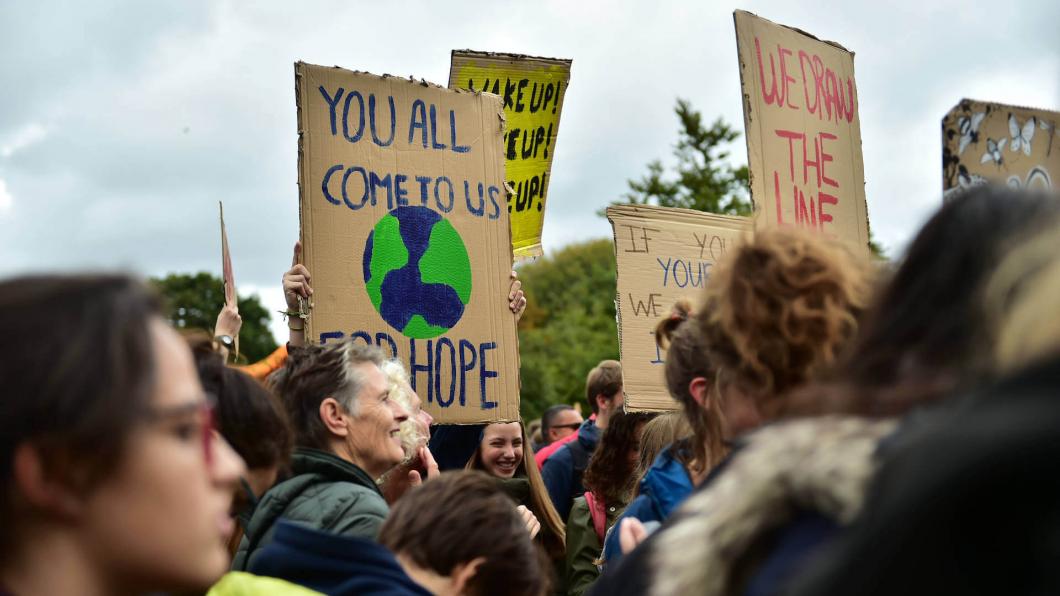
[226,341]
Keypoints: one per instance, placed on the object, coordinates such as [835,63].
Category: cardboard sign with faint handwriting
[662,254]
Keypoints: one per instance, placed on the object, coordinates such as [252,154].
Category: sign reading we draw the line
[405,231]
[662,255]
[803,132]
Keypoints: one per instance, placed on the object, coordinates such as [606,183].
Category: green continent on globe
[389,254]
[446,262]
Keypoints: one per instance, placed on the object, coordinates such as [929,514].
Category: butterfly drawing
[969,128]
[1021,135]
[993,151]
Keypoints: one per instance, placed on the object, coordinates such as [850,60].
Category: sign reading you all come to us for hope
[406,234]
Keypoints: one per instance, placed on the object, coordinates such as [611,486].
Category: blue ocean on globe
[417,272]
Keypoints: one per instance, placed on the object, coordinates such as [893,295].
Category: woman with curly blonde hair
[777,311]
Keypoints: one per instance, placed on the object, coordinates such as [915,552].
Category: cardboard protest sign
[228,276]
[533,90]
[803,133]
[404,230]
[994,142]
[662,254]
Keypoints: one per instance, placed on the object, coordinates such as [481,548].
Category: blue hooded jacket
[332,564]
[558,472]
[664,487]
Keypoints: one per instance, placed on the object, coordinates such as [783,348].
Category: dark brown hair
[778,311]
[314,373]
[460,517]
[248,415]
[686,359]
[604,379]
[611,474]
[78,367]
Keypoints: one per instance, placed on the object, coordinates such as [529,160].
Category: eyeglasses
[203,425]
[572,426]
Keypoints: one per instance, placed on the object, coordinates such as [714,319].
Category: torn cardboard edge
[796,30]
[964,100]
[311,135]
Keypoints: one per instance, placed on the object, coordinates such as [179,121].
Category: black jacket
[967,501]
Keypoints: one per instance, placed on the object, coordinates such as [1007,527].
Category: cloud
[131,119]
[22,138]
[6,200]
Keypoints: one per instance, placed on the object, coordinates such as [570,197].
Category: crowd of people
[844,426]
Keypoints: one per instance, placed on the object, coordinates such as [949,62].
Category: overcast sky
[123,123]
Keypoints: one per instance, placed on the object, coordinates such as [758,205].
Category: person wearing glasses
[112,480]
[559,422]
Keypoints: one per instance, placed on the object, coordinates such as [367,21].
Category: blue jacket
[563,484]
[664,487]
[332,564]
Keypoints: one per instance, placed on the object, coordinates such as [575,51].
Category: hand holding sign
[296,291]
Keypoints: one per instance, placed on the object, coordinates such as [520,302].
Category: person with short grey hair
[346,429]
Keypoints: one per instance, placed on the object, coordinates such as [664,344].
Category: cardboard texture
[404,230]
[533,90]
[228,276]
[991,142]
[803,131]
[662,254]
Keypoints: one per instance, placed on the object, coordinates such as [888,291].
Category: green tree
[193,301]
[569,323]
[703,178]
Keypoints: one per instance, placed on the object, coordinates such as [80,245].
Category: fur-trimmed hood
[821,465]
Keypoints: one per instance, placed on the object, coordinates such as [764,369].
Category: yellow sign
[533,90]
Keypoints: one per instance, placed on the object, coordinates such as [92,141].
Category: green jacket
[325,493]
[584,546]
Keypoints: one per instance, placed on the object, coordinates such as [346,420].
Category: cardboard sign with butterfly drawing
[405,231]
[990,142]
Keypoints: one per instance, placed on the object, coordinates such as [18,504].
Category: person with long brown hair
[792,487]
[504,452]
[611,481]
[777,311]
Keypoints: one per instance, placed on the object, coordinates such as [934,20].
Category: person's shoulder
[579,508]
[561,456]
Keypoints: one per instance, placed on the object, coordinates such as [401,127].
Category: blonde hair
[778,310]
[1021,300]
[661,431]
[412,438]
